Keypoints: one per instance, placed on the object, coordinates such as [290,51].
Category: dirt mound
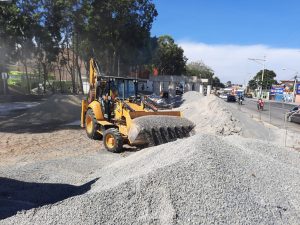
[191,96]
[204,179]
[209,114]
[57,108]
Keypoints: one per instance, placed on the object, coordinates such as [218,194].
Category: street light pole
[262,75]
[263,71]
[295,82]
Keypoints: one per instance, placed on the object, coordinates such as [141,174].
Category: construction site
[52,173]
[102,121]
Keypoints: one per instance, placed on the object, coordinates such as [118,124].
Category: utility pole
[263,63]
[295,85]
[262,75]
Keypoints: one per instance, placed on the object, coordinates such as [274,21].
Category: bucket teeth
[162,135]
[156,130]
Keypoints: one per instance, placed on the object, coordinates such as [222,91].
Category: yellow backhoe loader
[115,112]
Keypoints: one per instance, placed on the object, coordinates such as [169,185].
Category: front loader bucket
[158,129]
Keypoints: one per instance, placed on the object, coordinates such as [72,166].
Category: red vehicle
[260,104]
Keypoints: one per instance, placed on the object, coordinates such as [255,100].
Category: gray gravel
[204,179]
[159,129]
[209,114]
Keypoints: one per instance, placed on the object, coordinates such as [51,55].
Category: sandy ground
[50,150]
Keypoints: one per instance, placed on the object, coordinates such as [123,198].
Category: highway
[273,113]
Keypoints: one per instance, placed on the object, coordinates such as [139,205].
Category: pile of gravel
[210,114]
[159,129]
[202,179]
[205,179]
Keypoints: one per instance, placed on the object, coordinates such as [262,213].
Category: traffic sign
[4,76]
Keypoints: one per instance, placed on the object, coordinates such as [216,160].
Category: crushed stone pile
[210,114]
[159,129]
[57,108]
[205,179]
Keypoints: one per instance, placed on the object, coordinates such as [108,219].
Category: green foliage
[169,57]
[253,84]
[199,69]
[228,84]
[118,31]
[55,33]
[217,83]
[268,80]
[11,27]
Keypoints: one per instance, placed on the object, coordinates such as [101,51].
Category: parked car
[294,109]
[294,114]
[231,98]
[223,96]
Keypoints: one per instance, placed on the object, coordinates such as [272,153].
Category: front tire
[113,140]
[91,125]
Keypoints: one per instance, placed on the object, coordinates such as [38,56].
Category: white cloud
[230,62]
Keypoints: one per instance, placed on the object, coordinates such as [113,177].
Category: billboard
[277,90]
[298,89]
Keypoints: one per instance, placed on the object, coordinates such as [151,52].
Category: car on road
[294,109]
[231,98]
[223,96]
[294,115]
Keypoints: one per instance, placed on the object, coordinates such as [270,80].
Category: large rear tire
[113,140]
[91,125]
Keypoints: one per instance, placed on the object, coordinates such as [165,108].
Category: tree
[17,23]
[13,25]
[199,69]
[118,30]
[169,57]
[268,80]
[252,84]
[116,33]
[228,84]
[48,35]
[217,83]
[25,45]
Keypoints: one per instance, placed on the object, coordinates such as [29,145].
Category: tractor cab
[112,90]
[124,88]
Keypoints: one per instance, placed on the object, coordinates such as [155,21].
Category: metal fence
[274,116]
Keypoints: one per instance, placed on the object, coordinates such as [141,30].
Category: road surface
[273,113]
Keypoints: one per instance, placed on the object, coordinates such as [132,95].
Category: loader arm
[92,95]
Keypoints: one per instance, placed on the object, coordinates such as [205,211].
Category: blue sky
[274,23]
[225,33]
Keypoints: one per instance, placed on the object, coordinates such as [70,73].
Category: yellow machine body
[118,119]
[123,117]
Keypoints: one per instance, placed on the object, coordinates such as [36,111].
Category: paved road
[273,113]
